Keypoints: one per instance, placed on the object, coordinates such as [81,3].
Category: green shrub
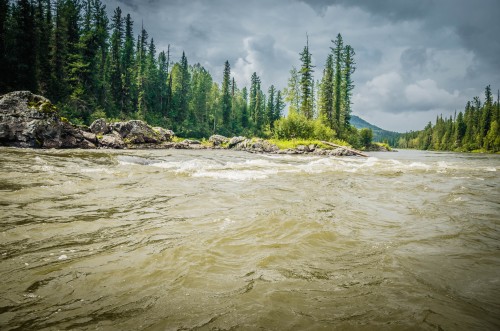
[365,137]
[297,126]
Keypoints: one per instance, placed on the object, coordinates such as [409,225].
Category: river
[222,240]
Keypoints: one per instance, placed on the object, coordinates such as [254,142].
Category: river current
[222,240]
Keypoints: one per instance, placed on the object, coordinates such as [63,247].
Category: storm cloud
[415,59]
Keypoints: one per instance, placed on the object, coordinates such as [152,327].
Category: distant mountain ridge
[378,134]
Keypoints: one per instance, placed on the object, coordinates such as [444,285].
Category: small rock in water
[63,257]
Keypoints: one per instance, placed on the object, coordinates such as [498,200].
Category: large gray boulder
[164,134]
[218,140]
[136,132]
[112,140]
[99,127]
[30,120]
[235,141]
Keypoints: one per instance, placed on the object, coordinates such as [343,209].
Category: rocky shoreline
[28,120]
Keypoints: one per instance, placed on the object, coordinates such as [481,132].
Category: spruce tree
[5,71]
[338,57]
[226,96]
[115,63]
[254,92]
[24,41]
[244,109]
[306,83]
[127,67]
[326,93]
[270,108]
[292,91]
[347,85]
[278,107]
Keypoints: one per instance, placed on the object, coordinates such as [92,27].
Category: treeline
[321,108]
[477,128]
[92,67]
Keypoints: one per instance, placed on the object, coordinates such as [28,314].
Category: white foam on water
[96,170]
[264,166]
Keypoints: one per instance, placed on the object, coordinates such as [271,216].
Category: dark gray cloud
[395,10]
[415,59]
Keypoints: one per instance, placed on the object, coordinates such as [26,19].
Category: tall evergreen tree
[127,68]
[254,94]
[141,54]
[292,91]
[338,56]
[326,93]
[162,82]
[306,83]
[278,107]
[347,85]
[244,110]
[43,23]
[5,71]
[226,95]
[270,108]
[24,41]
[115,63]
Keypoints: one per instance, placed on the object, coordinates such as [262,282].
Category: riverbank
[28,120]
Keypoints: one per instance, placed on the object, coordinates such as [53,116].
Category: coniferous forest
[92,66]
[475,129]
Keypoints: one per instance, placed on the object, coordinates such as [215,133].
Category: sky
[414,59]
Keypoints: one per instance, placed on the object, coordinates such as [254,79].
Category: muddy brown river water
[221,240]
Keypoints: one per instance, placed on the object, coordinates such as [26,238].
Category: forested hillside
[379,135]
[477,128]
[93,66]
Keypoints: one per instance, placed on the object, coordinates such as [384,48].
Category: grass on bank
[293,143]
[281,143]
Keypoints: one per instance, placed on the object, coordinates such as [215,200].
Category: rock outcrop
[30,120]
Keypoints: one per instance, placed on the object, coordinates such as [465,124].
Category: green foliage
[298,126]
[475,129]
[306,83]
[365,137]
[97,114]
[293,143]
[94,67]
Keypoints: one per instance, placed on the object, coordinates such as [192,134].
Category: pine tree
[24,41]
[226,96]
[116,70]
[270,107]
[338,54]
[244,110]
[292,92]
[180,92]
[254,93]
[326,93]
[162,82]
[43,23]
[347,85]
[279,106]
[127,65]
[141,51]
[306,83]
[486,115]
[5,71]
